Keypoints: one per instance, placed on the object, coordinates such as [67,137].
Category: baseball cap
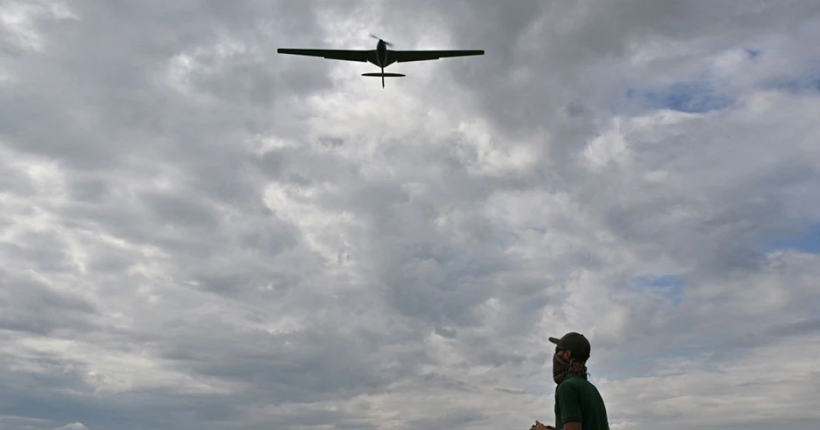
[576,343]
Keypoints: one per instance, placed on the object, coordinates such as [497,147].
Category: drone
[381,56]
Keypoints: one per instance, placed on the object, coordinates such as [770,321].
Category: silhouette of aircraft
[381,56]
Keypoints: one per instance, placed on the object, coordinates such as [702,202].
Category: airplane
[381,56]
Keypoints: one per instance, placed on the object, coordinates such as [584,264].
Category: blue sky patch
[807,81]
[690,97]
[806,240]
[669,286]
[798,85]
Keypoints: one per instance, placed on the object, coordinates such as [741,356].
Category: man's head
[571,354]
[575,343]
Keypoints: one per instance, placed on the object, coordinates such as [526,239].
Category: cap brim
[555,341]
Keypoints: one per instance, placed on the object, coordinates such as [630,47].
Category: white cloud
[196,230]
[73,426]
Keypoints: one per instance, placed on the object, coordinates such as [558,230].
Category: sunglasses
[559,349]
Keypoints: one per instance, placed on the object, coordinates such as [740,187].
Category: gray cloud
[196,231]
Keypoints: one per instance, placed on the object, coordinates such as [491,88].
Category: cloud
[683,97]
[196,231]
[73,426]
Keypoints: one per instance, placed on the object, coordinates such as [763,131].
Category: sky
[198,232]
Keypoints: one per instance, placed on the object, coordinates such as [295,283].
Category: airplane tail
[383,75]
[386,75]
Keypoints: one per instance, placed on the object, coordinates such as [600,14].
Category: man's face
[560,364]
[563,353]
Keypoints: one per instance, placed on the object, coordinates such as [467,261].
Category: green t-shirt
[576,399]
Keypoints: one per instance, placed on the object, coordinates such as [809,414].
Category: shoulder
[569,387]
[582,388]
[574,383]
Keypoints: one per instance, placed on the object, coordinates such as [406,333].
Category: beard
[560,368]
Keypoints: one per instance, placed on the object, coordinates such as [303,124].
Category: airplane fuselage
[382,56]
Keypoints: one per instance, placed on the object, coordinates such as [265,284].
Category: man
[578,405]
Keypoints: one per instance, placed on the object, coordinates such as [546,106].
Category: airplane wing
[332,54]
[406,56]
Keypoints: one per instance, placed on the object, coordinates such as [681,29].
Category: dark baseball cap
[576,343]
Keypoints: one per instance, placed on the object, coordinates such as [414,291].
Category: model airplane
[381,56]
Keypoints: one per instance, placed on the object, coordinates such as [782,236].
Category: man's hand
[539,426]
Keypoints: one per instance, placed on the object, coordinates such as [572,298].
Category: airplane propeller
[379,38]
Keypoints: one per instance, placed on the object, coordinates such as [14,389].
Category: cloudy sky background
[196,232]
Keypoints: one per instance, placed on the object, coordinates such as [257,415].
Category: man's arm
[569,401]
